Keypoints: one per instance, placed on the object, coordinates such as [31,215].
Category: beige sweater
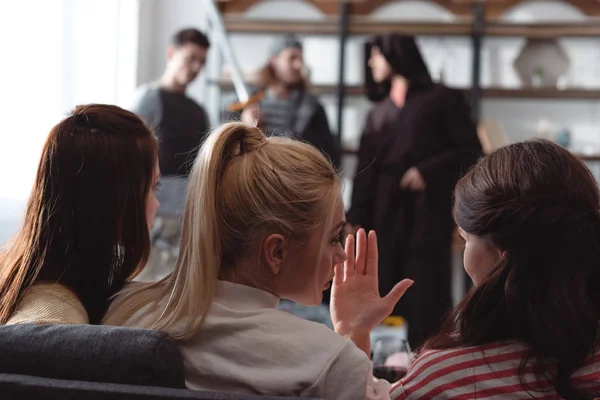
[247,345]
[49,303]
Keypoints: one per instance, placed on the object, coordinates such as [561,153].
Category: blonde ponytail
[241,182]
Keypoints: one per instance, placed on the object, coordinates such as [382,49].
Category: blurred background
[529,68]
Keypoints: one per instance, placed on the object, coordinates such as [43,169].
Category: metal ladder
[219,36]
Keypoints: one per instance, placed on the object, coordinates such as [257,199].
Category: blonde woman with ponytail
[263,221]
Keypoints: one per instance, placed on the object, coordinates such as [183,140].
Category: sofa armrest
[92,353]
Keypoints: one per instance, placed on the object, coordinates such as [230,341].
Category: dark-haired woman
[86,227]
[529,214]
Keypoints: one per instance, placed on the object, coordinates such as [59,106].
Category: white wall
[71,52]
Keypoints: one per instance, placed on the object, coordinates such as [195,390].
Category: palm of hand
[356,305]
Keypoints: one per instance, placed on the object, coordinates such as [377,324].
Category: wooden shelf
[238,24]
[544,30]
[357,26]
[589,157]
[488,93]
[493,9]
[541,93]
[315,89]
[366,26]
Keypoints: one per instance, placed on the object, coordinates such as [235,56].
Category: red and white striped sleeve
[457,373]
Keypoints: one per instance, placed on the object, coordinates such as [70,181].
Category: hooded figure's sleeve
[365,177]
[461,132]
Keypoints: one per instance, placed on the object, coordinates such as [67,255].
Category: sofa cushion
[92,353]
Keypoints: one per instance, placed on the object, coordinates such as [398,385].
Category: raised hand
[251,115]
[356,306]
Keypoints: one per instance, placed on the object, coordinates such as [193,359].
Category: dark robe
[433,132]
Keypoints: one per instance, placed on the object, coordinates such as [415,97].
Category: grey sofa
[94,362]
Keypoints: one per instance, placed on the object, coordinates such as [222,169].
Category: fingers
[412,183]
[413,180]
[405,181]
[361,252]
[372,264]
[349,264]
[397,292]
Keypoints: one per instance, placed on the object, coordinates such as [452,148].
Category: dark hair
[85,225]
[538,204]
[191,35]
[403,55]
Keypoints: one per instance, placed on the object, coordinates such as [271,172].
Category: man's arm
[148,107]
[322,136]
[365,176]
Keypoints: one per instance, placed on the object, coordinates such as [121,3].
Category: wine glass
[392,358]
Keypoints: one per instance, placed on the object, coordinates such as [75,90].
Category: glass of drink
[391,358]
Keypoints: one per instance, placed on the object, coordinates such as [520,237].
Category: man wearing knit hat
[288,109]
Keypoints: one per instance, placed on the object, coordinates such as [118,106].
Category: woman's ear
[274,251]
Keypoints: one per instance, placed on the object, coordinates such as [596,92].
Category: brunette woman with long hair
[529,214]
[86,227]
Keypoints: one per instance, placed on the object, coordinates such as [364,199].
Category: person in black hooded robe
[416,143]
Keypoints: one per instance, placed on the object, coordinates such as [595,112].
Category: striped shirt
[485,372]
[277,116]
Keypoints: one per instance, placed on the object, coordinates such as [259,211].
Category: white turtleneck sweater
[246,345]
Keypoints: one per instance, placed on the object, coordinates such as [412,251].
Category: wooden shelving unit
[366,26]
[315,89]
[589,157]
[495,93]
[543,30]
[475,20]
[356,26]
[237,24]
[541,93]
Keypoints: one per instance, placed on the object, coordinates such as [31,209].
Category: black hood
[405,59]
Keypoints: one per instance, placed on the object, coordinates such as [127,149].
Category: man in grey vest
[287,108]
